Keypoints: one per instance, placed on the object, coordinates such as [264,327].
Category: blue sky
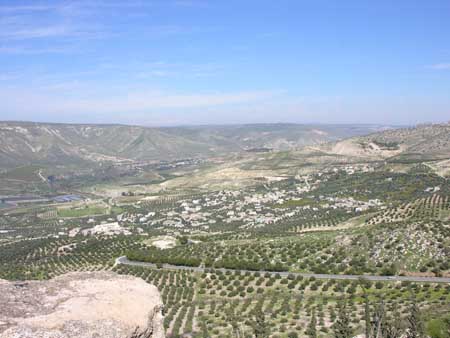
[200,62]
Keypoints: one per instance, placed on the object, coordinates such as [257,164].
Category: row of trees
[378,324]
[158,256]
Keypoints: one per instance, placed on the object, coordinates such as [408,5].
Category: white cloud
[154,100]
[22,23]
[64,103]
[71,20]
[9,77]
[23,50]
[25,8]
[55,102]
[440,66]
[190,3]
[35,32]
[166,69]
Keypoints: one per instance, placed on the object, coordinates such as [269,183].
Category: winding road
[125,261]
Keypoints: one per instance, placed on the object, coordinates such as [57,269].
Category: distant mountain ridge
[23,143]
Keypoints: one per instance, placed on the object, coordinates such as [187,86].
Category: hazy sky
[197,62]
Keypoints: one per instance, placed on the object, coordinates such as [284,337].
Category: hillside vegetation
[23,143]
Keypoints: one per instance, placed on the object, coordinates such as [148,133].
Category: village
[251,208]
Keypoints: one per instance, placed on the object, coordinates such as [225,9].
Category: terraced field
[217,304]
[48,257]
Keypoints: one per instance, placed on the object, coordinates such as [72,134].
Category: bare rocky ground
[81,305]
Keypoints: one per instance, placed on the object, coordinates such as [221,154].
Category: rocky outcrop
[81,305]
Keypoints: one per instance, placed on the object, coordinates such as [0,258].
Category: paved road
[124,260]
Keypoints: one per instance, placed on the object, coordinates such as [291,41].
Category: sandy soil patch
[165,242]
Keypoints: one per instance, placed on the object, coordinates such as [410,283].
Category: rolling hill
[424,142]
[25,143]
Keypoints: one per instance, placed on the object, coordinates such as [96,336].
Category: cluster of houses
[251,207]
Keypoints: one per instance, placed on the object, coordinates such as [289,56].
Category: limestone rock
[81,305]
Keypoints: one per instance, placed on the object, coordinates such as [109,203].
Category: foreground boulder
[81,305]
